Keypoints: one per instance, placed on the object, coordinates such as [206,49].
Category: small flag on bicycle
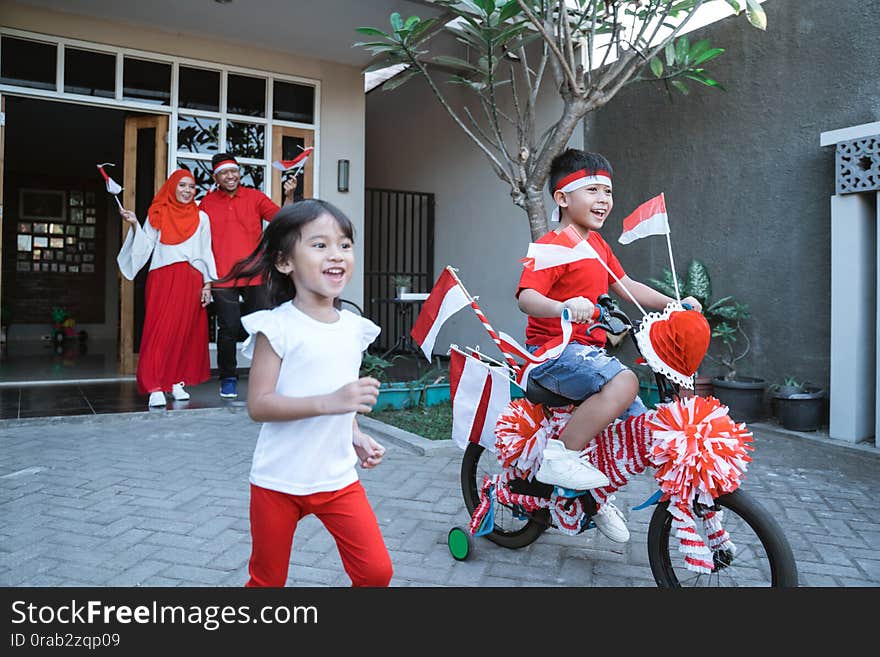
[446,298]
[480,393]
[649,218]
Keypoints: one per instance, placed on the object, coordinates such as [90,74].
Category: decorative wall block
[857,164]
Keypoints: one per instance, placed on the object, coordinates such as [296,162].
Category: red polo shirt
[584,278]
[236,227]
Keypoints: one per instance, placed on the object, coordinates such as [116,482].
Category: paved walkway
[161,499]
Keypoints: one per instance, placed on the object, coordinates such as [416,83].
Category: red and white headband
[225,164]
[578,179]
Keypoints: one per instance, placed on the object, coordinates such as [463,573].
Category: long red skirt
[174,345]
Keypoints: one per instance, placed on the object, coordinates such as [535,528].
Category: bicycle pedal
[567,492]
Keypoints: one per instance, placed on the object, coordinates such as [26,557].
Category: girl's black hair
[279,240]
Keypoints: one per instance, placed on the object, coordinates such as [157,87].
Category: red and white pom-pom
[700,453]
[567,513]
[521,433]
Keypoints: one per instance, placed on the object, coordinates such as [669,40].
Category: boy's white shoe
[157,398]
[610,521]
[568,468]
[178,392]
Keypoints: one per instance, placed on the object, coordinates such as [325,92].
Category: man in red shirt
[237,214]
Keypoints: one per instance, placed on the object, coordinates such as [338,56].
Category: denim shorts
[580,372]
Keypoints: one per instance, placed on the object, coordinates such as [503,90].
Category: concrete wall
[340,114]
[747,185]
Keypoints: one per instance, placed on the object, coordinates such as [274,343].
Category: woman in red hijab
[174,343]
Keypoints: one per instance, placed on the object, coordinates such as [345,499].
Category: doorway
[61,232]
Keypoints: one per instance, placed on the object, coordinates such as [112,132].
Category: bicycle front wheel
[763,556]
[511,530]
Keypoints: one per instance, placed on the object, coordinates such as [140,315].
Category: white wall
[412,144]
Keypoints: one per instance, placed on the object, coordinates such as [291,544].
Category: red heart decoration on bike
[682,340]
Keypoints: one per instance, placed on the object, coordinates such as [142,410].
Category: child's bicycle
[728,540]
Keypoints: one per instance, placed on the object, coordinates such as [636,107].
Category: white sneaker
[178,392]
[568,469]
[610,521]
[157,398]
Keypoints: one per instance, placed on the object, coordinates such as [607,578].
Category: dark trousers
[229,312]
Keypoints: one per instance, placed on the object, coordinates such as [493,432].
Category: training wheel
[459,542]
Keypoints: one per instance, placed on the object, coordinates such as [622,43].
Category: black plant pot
[743,396]
[800,411]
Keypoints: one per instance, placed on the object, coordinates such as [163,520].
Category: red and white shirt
[584,278]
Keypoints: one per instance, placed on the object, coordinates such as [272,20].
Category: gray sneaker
[569,469]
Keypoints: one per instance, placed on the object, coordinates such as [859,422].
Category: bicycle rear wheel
[763,556]
[511,529]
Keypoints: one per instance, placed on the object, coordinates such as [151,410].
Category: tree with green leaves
[591,48]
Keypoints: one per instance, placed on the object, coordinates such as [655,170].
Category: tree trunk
[536,209]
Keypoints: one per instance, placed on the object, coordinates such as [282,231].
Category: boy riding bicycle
[580,183]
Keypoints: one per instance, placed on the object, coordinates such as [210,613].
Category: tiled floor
[37,382]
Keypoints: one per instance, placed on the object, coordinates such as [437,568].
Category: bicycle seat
[538,394]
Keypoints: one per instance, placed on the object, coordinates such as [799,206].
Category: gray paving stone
[162,500]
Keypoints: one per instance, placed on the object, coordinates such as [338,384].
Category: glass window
[89,73]
[253,175]
[28,63]
[246,139]
[293,102]
[245,95]
[146,81]
[197,134]
[201,173]
[199,89]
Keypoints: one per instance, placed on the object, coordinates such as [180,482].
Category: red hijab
[175,221]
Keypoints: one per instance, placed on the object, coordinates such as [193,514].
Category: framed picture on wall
[41,242]
[24,227]
[24,243]
[41,204]
[41,228]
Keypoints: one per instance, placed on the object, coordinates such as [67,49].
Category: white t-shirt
[313,454]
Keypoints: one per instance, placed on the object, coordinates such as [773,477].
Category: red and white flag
[647,219]
[446,298]
[296,163]
[480,393]
[112,186]
[567,247]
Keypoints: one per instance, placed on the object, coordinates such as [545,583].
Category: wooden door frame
[127,358]
[308,137]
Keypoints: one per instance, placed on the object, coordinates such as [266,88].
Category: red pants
[347,515]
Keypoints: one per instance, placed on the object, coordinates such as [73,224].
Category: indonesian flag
[446,298]
[567,247]
[480,393]
[112,186]
[296,163]
[647,219]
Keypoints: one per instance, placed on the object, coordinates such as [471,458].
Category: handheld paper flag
[648,219]
[112,186]
[296,164]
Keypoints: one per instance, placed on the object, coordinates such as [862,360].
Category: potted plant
[743,395]
[402,284]
[402,394]
[798,406]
